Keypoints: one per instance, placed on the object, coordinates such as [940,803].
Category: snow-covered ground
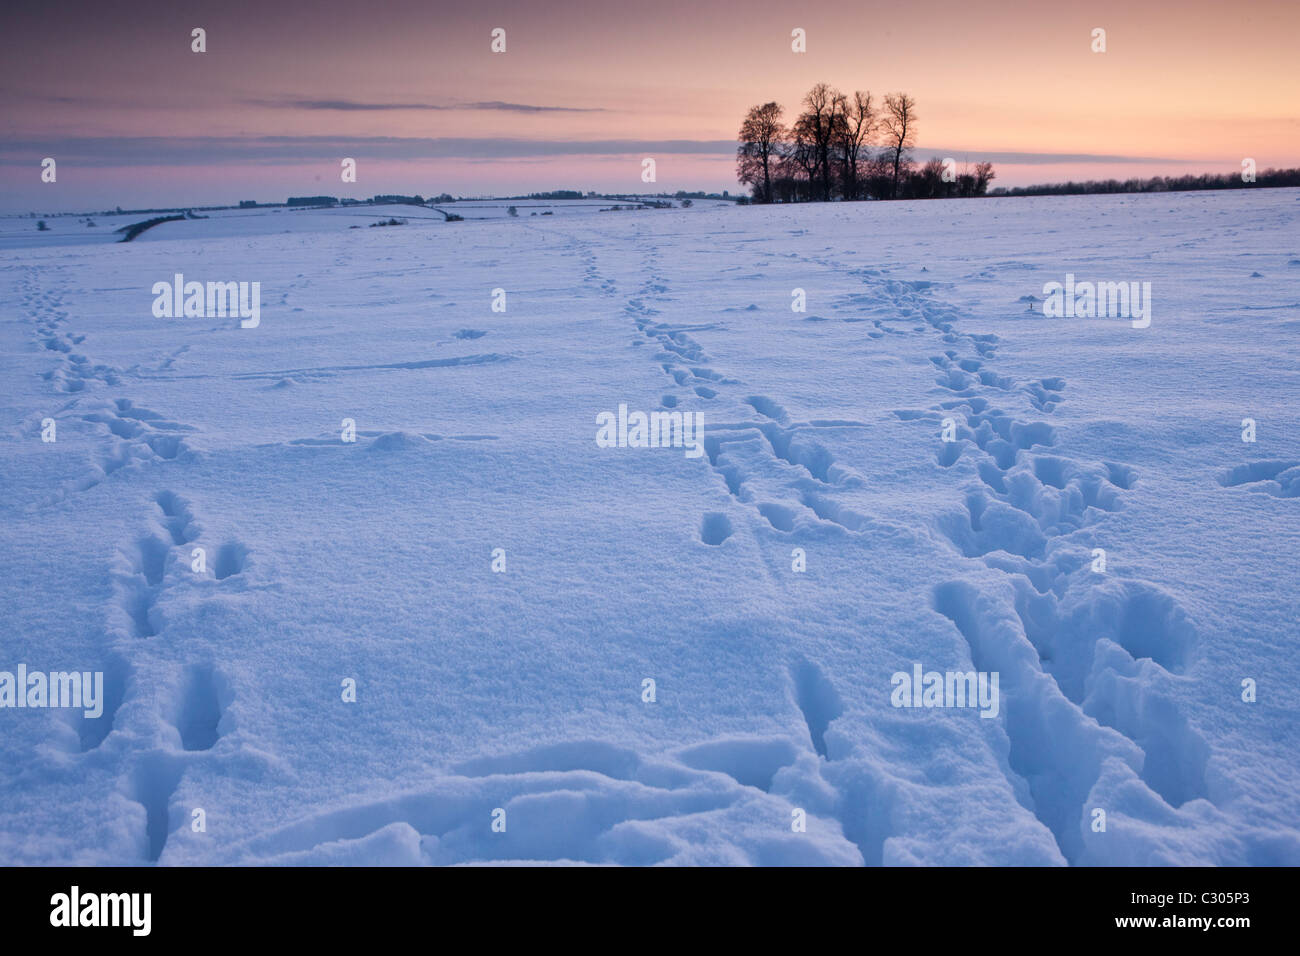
[523,689]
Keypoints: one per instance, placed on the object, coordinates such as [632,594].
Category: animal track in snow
[137,435]
[195,703]
[585,801]
[177,517]
[1085,659]
[768,408]
[230,559]
[138,579]
[152,783]
[715,528]
[199,711]
[90,732]
[817,700]
[1279,478]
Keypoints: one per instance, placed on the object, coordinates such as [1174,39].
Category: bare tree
[929,181]
[760,137]
[853,134]
[828,152]
[818,124]
[876,176]
[799,161]
[899,125]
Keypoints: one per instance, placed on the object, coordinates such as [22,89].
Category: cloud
[357,106]
[294,150]
[291,150]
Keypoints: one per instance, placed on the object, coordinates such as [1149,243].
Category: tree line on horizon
[847,147]
[1268,179]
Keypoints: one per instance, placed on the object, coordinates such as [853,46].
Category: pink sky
[413,92]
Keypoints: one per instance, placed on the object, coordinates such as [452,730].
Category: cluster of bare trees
[847,147]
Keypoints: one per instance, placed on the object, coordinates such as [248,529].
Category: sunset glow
[585,90]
